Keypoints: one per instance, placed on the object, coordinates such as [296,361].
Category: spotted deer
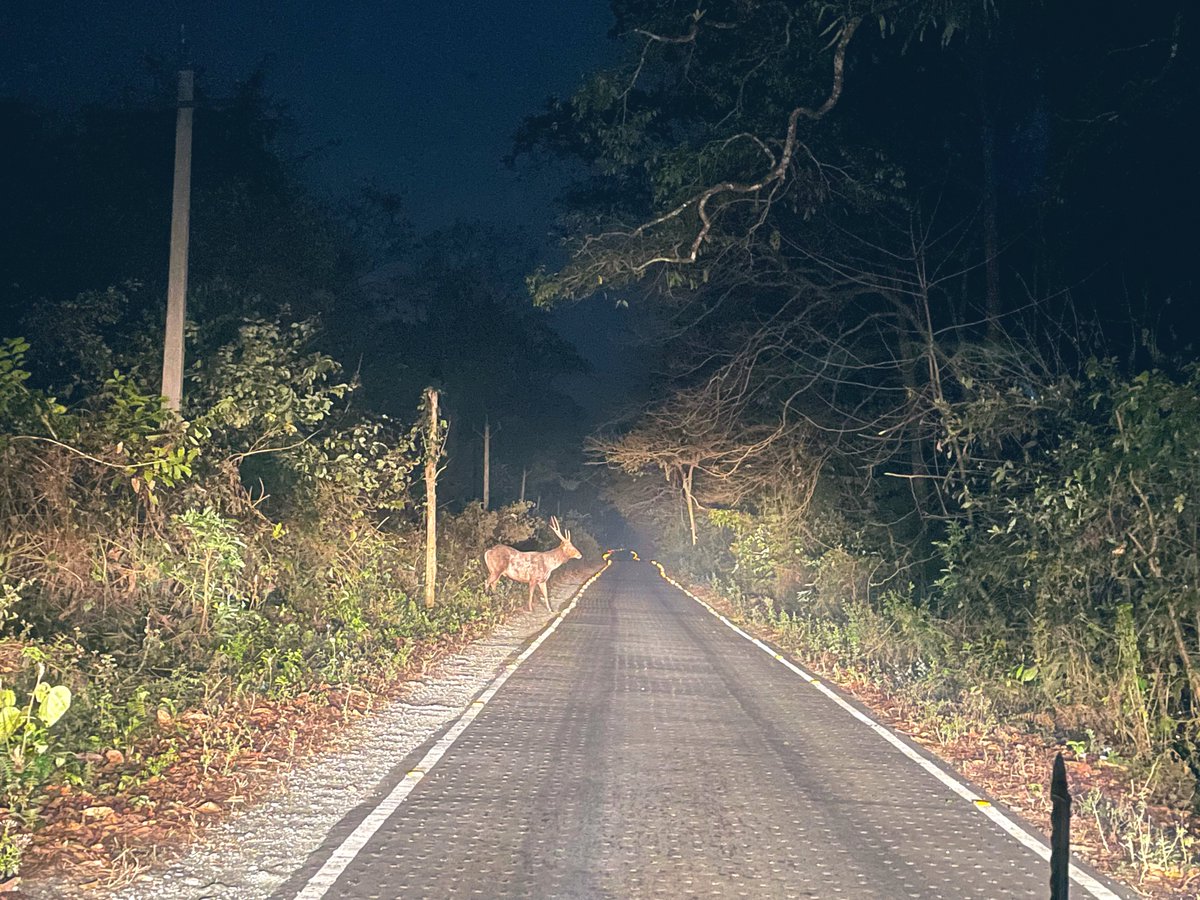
[532,568]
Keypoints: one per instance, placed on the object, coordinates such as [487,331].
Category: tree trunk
[991,226]
[983,69]
[432,453]
[524,475]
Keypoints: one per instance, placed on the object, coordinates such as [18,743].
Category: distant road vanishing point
[641,747]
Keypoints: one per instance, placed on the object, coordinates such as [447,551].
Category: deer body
[530,567]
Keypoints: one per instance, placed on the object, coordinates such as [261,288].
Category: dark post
[1060,832]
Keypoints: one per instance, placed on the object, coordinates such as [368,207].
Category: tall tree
[452,310]
[844,192]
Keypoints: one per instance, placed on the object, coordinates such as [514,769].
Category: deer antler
[554,526]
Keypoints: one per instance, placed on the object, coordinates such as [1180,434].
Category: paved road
[646,750]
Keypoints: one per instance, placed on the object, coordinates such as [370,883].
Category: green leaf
[55,704]
[10,720]
[8,697]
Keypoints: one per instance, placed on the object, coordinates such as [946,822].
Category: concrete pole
[487,461]
[172,375]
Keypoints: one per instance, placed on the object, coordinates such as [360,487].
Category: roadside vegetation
[156,569]
[186,601]
[933,413]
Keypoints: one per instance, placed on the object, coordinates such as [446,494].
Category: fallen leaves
[219,758]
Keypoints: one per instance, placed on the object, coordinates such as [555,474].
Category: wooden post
[687,494]
[433,450]
[1060,832]
[177,273]
[487,461]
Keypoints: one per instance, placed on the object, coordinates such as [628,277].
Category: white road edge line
[1080,877]
[328,874]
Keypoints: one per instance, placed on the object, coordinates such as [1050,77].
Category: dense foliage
[267,540]
[867,234]
[267,543]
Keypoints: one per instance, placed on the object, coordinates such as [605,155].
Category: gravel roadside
[251,854]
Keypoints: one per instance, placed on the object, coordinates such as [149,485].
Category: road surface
[645,749]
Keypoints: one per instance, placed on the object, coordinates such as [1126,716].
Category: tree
[761,173]
[452,310]
[723,187]
[717,444]
[713,129]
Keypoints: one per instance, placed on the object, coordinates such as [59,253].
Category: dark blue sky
[422,96]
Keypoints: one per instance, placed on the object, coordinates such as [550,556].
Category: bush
[1067,541]
[1087,552]
[266,544]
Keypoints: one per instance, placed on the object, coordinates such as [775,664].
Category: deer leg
[545,596]
[529,605]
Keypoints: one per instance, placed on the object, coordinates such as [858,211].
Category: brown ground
[224,760]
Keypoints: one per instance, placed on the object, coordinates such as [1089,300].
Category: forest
[929,401]
[912,282]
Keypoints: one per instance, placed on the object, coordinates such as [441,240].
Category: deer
[531,567]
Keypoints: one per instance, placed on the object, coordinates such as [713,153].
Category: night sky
[421,97]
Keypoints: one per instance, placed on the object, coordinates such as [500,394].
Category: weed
[29,753]
[12,849]
[1125,825]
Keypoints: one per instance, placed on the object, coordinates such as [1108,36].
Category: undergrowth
[265,543]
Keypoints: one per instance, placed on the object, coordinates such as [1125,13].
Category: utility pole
[433,451]
[487,461]
[181,201]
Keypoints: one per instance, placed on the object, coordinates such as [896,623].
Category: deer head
[565,536]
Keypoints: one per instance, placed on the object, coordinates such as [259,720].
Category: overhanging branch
[776,175]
